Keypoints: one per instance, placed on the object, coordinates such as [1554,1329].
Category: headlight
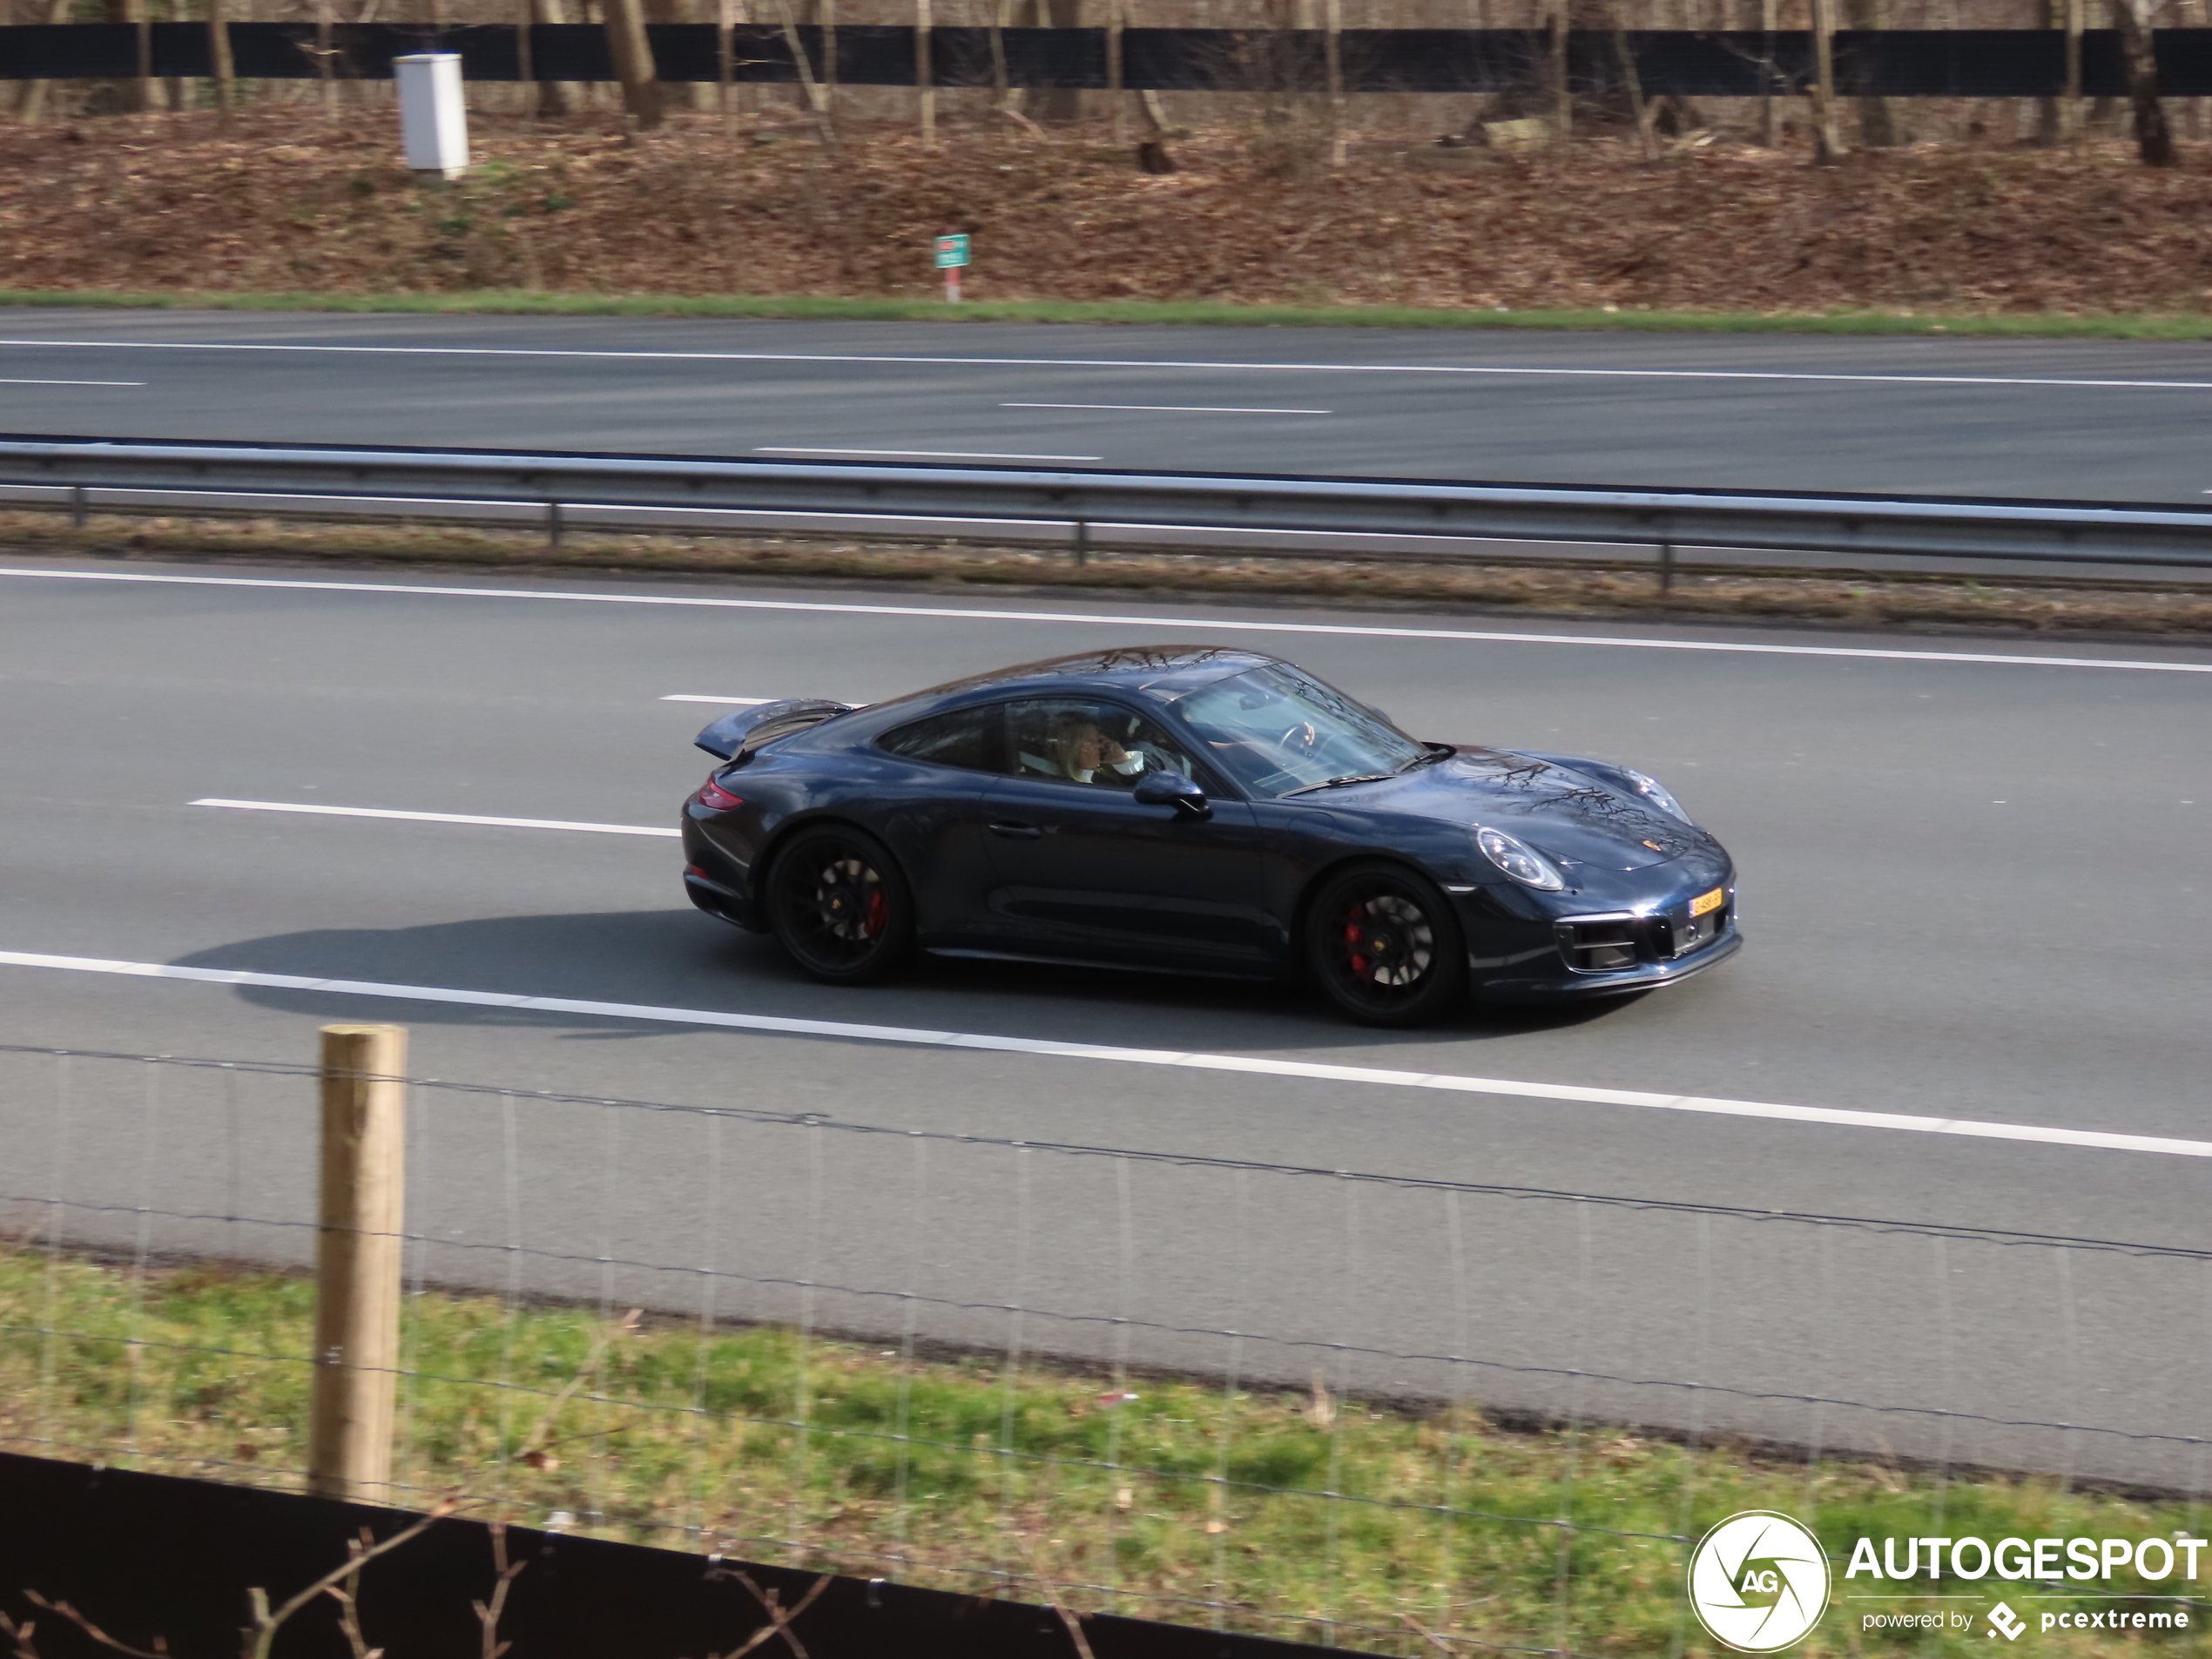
[1657,794]
[1523,863]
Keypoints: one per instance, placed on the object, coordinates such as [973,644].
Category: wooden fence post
[357,1261]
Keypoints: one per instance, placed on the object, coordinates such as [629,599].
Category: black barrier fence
[1984,62]
[151,1556]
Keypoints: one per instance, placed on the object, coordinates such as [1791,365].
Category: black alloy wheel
[839,904]
[1385,946]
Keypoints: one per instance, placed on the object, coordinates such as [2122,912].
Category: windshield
[1276,731]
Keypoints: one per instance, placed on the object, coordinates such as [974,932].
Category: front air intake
[1602,944]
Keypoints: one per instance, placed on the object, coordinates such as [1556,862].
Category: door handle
[1017,831]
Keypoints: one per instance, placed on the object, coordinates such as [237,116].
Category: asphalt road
[2035,418]
[1973,889]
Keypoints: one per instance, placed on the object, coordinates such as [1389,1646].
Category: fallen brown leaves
[287,202]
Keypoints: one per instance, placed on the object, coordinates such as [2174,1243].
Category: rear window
[959,739]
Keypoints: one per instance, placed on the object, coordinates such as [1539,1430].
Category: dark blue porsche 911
[1198,810]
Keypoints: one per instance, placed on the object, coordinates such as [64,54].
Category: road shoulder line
[2097,1140]
[1460,636]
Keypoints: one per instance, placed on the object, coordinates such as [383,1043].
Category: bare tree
[1877,116]
[1640,111]
[2154,138]
[633,54]
[1827,136]
[30,103]
[218,57]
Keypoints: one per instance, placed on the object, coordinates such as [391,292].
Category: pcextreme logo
[1758,1581]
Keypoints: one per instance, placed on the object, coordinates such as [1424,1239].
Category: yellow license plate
[1705,903]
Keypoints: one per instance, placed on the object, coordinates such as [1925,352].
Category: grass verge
[529,302]
[2047,608]
[1176,1499]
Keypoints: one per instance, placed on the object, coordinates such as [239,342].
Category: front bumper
[1532,947]
[1559,983]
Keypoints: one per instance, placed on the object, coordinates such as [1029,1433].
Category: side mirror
[1172,789]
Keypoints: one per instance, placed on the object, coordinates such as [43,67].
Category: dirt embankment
[285,202]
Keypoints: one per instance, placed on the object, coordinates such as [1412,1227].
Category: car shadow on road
[678,959]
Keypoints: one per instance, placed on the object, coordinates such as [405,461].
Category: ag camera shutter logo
[1758,1581]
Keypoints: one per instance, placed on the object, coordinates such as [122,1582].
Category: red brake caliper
[1354,929]
[879,914]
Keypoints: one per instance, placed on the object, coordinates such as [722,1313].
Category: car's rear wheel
[1385,947]
[840,906]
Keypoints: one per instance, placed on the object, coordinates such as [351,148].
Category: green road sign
[952,253]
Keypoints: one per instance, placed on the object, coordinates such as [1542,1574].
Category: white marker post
[952,253]
[433,117]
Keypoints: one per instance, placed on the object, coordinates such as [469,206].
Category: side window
[959,739]
[1084,740]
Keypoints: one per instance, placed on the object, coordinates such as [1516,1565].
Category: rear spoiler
[738,736]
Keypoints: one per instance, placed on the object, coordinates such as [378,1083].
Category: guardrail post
[77,511]
[1665,567]
[552,524]
[357,1261]
[1082,542]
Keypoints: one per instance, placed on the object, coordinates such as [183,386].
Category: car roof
[1161,671]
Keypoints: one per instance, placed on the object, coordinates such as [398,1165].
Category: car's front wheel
[840,906]
[1385,945]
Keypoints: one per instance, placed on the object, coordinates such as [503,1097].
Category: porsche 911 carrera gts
[1198,810]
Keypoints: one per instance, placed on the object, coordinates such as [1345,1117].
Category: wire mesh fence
[1387,1411]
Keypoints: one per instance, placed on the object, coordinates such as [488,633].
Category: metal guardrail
[450,482]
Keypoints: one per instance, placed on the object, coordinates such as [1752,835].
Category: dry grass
[286,203]
[2058,610]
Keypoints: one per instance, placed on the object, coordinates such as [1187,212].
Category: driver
[1081,750]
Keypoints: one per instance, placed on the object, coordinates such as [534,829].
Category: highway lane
[2103,420]
[1970,888]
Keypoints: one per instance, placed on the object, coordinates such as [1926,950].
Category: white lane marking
[1217,623]
[733,702]
[1116,362]
[14,383]
[1248,1064]
[914,455]
[435,817]
[1164,408]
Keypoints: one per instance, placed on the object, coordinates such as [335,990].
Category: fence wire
[1403,1413]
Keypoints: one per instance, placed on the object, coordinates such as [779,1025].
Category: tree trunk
[728,15]
[633,56]
[1647,144]
[1114,72]
[699,95]
[1827,137]
[817,97]
[1057,105]
[553,98]
[30,103]
[1769,21]
[2154,138]
[1333,63]
[2073,123]
[1562,94]
[1877,115]
[219,57]
[925,74]
[142,93]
